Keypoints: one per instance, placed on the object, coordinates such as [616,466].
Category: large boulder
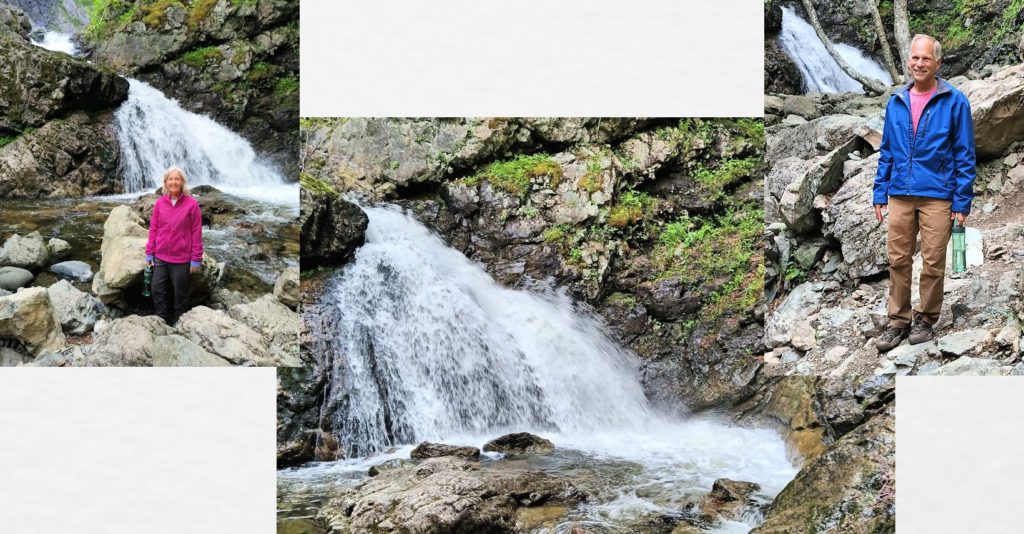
[851,487]
[274,321]
[124,260]
[436,450]
[37,85]
[822,176]
[331,229]
[228,338]
[176,351]
[74,155]
[28,316]
[78,311]
[123,254]
[28,252]
[126,342]
[519,443]
[850,219]
[445,495]
[14,20]
[997,105]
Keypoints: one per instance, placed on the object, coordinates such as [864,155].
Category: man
[925,181]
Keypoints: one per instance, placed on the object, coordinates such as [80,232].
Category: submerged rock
[730,499]
[332,229]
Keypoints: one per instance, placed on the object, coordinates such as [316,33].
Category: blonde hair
[184,179]
[936,46]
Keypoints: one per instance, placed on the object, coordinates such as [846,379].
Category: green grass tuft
[514,176]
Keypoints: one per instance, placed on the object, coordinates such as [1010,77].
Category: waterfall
[155,133]
[821,74]
[423,345]
[56,41]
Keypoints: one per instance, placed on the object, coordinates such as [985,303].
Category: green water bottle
[959,248]
[147,281]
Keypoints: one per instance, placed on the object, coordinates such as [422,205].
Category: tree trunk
[870,84]
[883,40]
[901,30]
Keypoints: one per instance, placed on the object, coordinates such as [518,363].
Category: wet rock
[58,248]
[730,499]
[396,463]
[11,278]
[963,342]
[780,73]
[28,316]
[445,495]
[519,443]
[40,85]
[331,228]
[28,252]
[848,488]
[286,288]
[435,450]
[77,310]
[73,270]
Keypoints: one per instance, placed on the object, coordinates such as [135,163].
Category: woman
[175,246]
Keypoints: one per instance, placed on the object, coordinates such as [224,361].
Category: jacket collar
[943,87]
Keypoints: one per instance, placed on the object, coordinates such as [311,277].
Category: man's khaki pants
[907,215]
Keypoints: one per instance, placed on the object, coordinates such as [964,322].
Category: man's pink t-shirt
[917,103]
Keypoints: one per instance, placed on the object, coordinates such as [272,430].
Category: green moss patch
[630,208]
[514,176]
[199,57]
[316,185]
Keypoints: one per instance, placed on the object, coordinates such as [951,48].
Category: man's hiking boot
[921,332]
[891,338]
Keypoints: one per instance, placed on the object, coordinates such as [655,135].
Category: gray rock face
[28,317]
[78,311]
[37,85]
[73,270]
[14,20]
[126,342]
[823,176]
[11,278]
[228,338]
[997,105]
[176,351]
[445,495]
[850,219]
[803,301]
[277,323]
[28,252]
[74,155]
[331,229]
[965,365]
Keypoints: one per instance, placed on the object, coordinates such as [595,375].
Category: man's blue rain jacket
[937,162]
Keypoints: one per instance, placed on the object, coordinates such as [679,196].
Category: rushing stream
[821,73]
[427,347]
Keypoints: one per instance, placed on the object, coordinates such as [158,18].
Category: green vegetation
[316,185]
[592,181]
[621,299]
[630,209]
[6,140]
[287,85]
[726,173]
[259,71]
[514,176]
[200,56]
[723,250]
[154,13]
[198,10]
[557,232]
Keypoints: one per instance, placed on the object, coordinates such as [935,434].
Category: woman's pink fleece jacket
[176,231]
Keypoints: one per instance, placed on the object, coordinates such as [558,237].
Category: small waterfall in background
[156,133]
[56,41]
[425,346]
[821,74]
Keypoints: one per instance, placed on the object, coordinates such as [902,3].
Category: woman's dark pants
[170,285]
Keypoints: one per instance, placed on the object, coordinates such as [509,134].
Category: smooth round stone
[11,278]
[73,270]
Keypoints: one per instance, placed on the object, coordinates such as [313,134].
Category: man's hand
[879,208]
[960,217]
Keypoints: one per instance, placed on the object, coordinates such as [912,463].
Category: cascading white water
[821,73]
[425,345]
[58,42]
[155,133]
